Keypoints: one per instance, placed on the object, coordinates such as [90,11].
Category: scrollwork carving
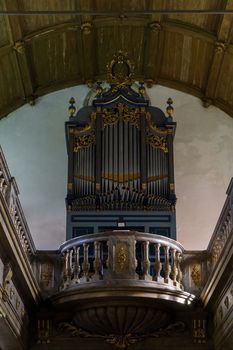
[84,142]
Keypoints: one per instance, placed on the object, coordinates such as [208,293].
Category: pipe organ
[120,150]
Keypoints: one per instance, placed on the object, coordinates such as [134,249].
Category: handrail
[122,254]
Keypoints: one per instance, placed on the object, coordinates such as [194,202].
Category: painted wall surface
[33,141]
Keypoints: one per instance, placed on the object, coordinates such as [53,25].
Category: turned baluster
[71,262]
[174,270]
[167,266]
[179,273]
[76,264]
[85,265]
[97,261]
[67,272]
[4,189]
[2,180]
[146,261]
[157,265]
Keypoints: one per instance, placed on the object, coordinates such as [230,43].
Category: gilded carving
[122,257]
[43,330]
[125,340]
[155,26]
[120,71]
[86,28]
[157,142]
[128,115]
[46,274]
[220,46]
[154,128]
[199,331]
[19,47]
[196,275]
[84,142]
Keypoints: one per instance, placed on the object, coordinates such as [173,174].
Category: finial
[141,88]
[72,108]
[169,108]
[99,89]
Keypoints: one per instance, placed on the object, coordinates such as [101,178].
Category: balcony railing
[9,197]
[222,234]
[122,255]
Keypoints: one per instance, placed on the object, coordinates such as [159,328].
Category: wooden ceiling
[45,52]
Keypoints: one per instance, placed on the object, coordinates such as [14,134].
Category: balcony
[119,280]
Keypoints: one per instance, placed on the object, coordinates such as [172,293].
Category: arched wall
[33,141]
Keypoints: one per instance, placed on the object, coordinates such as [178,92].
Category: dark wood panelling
[10,83]
[4,37]
[225,84]
[42,53]
[54,58]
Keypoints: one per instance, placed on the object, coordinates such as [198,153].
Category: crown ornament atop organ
[120,148]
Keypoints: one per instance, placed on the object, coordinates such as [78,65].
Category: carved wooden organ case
[120,149]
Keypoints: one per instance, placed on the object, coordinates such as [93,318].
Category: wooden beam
[221,45]
[20,48]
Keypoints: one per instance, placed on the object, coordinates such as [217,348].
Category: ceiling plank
[15,33]
[221,45]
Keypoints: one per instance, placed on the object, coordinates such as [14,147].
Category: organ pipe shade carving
[120,149]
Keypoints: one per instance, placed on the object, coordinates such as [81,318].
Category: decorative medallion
[120,71]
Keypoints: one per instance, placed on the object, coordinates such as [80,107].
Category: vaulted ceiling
[44,52]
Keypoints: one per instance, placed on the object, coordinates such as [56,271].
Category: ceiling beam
[115,13]
[19,46]
[221,45]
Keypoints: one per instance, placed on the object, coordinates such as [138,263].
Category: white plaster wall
[33,141]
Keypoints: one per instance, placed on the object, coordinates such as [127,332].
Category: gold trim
[156,178]
[88,127]
[172,186]
[120,177]
[153,127]
[86,178]
[69,185]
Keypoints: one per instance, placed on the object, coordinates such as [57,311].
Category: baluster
[97,261]
[76,268]
[67,269]
[2,180]
[167,267]
[146,261]
[179,273]
[157,265]
[85,265]
[174,270]
[71,263]
[4,190]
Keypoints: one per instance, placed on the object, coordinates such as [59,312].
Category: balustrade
[223,229]
[129,254]
[9,195]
